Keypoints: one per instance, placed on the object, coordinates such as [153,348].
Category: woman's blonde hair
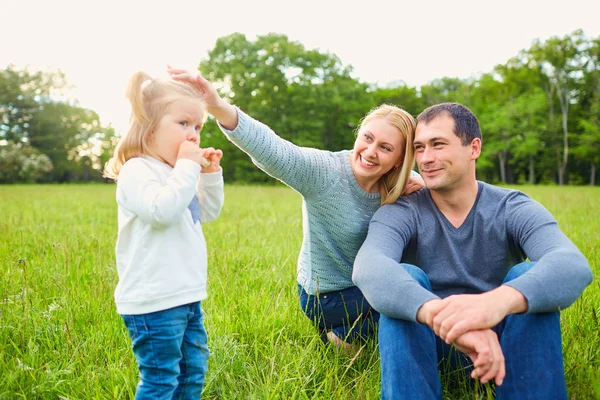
[150,99]
[391,184]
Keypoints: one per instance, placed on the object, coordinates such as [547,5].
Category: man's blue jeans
[171,350]
[345,312]
[412,356]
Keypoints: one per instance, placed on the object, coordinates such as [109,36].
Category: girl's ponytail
[134,93]
[133,143]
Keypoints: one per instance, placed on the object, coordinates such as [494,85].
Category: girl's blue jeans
[171,350]
[412,356]
[346,313]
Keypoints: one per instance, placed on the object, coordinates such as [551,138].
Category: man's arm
[377,270]
[559,276]
[561,272]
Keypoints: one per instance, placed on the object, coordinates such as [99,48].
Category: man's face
[444,163]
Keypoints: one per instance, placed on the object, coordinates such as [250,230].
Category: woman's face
[379,147]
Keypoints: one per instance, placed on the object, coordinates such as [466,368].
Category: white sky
[99,44]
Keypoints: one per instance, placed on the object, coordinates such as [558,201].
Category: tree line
[539,112]
[44,138]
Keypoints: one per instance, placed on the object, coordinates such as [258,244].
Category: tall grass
[60,336]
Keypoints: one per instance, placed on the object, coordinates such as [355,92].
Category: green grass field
[61,338]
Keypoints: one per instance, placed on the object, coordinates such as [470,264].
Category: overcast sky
[99,44]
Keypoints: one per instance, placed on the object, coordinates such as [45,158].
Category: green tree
[33,112]
[400,95]
[306,96]
[560,63]
[527,110]
[588,143]
[529,113]
[20,97]
[491,104]
[447,90]
[19,162]
[64,132]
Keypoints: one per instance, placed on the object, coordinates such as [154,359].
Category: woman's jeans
[171,350]
[346,313]
[412,356]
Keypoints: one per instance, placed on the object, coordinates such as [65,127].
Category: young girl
[340,193]
[166,188]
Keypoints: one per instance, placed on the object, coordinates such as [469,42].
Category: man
[445,265]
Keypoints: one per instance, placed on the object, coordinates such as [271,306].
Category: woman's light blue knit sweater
[336,211]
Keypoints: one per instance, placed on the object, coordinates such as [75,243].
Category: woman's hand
[204,88]
[224,112]
[413,184]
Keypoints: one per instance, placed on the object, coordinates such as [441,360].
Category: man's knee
[418,275]
[518,270]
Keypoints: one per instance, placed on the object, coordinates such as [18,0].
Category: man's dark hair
[466,126]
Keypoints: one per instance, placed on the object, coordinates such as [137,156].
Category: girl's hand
[414,183]
[204,88]
[191,151]
[214,157]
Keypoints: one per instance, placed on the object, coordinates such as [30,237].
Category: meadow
[61,338]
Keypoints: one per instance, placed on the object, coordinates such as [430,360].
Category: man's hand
[428,310]
[483,348]
[482,345]
[459,314]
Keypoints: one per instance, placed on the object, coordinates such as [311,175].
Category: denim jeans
[346,313]
[171,350]
[412,356]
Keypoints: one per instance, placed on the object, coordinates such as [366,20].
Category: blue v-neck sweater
[503,228]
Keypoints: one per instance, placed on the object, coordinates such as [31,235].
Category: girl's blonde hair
[391,185]
[150,99]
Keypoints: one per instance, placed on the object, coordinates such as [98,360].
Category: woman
[340,193]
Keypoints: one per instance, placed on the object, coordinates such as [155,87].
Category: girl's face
[378,148]
[181,122]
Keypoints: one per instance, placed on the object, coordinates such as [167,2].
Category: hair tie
[146,83]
